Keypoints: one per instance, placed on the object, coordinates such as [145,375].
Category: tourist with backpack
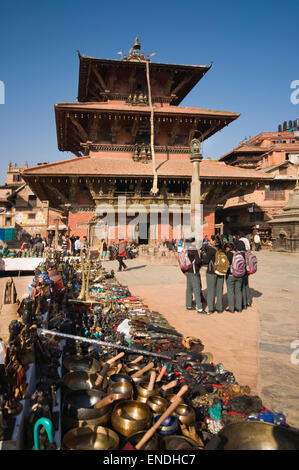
[190,264]
[234,277]
[217,267]
[251,268]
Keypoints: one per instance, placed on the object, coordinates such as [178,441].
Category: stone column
[195,196]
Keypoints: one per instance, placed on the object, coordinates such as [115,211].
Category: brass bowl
[71,423]
[152,444]
[185,414]
[119,378]
[129,417]
[124,390]
[143,392]
[179,443]
[87,438]
[132,367]
[255,435]
[157,404]
[79,404]
[143,378]
[80,380]
[81,363]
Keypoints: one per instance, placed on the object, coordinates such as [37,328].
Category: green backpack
[221,264]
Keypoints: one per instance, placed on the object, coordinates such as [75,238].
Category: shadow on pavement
[136,267]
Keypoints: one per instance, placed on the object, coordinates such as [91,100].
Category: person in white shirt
[257,242]
[246,243]
[78,245]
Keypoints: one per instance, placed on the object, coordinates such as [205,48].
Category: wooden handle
[102,375]
[142,371]
[180,393]
[170,409]
[163,370]
[106,401]
[170,385]
[113,359]
[138,359]
[152,381]
[118,369]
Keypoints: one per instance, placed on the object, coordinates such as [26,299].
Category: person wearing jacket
[193,277]
[214,282]
[233,284]
[246,294]
[121,254]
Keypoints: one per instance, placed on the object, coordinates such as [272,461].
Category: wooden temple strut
[154,189]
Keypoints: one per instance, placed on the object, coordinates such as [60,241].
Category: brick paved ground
[255,344]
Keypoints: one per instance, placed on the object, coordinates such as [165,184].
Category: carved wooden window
[274,192]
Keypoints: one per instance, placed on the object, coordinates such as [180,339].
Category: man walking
[121,254]
[257,242]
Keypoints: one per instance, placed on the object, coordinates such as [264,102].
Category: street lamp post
[195,210]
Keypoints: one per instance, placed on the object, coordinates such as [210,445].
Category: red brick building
[131,139]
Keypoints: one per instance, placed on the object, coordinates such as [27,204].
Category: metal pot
[118,378]
[87,438]
[81,363]
[255,435]
[79,404]
[168,427]
[185,414]
[129,417]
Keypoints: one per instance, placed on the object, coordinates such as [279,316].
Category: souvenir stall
[89,366]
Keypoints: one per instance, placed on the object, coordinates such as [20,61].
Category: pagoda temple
[131,145]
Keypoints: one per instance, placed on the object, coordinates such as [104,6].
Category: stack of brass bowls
[79,410]
[144,394]
[91,438]
[129,417]
[255,435]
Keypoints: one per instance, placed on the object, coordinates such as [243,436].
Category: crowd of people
[226,261]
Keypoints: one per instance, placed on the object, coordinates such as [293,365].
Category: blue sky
[253,44]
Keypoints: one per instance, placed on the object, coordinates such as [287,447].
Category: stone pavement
[255,345]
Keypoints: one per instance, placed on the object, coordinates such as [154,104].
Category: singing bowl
[255,435]
[71,423]
[119,378]
[79,404]
[185,414]
[80,380]
[129,417]
[169,396]
[123,390]
[143,378]
[87,438]
[152,444]
[157,404]
[144,392]
[168,427]
[179,443]
[81,363]
[132,367]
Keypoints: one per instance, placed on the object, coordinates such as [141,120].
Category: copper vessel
[185,414]
[129,417]
[79,404]
[255,435]
[80,380]
[91,438]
